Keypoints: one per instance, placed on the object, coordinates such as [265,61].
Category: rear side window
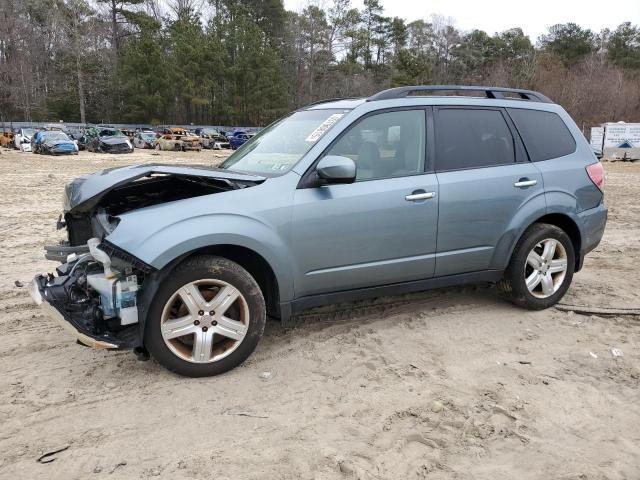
[472,138]
[544,134]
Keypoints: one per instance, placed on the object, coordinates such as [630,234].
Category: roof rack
[490,92]
[328,100]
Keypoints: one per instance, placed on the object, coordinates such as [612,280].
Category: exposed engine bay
[95,290]
[98,218]
[96,296]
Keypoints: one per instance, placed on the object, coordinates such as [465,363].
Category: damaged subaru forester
[342,200]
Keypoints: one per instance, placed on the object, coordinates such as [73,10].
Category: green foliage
[247,62]
[624,46]
[569,42]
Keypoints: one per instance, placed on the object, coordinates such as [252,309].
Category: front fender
[158,247]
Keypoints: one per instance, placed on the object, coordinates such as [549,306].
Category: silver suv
[407,190]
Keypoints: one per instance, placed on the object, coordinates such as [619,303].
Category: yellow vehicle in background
[6,139]
[178,139]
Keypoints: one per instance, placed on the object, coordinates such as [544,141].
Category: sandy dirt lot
[449,384]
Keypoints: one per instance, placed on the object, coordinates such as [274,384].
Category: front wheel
[206,318]
[541,268]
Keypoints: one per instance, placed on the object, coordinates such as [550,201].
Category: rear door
[486,182]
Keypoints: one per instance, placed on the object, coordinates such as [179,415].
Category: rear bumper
[592,225]
[81,333]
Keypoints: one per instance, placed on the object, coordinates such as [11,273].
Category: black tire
[196,268]
[513,284]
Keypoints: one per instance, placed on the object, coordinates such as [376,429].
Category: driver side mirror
[336,169]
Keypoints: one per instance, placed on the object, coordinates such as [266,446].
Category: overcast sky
[534,17]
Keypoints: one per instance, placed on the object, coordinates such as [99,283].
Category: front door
[379,230]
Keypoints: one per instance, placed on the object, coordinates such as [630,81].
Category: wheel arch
[566,224]
[570,227]
[257,266]
[254,263]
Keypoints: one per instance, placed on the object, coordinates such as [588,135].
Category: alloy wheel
[205,320]
[545,268]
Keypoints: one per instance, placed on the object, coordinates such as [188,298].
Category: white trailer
[621,140]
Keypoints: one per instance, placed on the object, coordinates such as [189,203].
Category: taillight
[596,174]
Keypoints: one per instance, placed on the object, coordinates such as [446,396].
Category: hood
[113,140]
[83,193]
[60,143]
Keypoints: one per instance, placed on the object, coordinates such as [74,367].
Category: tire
[549,282]
[185,347]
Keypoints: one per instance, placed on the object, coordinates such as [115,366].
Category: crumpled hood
[60,143]
[113,140]
[84,192]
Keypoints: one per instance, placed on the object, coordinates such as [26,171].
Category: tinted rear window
[544,134]
[472,138]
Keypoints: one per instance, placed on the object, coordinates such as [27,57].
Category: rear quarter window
[544,134]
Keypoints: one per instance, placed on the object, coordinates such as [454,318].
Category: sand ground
[449,384]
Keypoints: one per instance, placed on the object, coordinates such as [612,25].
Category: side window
[472,138]
[385,145]
[544,134]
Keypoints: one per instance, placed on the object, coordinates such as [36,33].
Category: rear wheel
[541,267]
[206,318]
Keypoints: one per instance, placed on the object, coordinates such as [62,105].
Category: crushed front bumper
[80,332]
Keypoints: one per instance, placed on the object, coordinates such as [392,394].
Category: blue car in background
[239,138]
[54,142]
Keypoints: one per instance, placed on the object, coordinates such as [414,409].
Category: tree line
[232,62]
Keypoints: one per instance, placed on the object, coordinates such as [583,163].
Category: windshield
[148,135]
[28,132]
[277,148]
[109,132]
[54,136]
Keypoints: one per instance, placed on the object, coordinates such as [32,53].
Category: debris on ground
[266,376]
[616,352]
[346,467]
[50,456]
[121,463]
[245,413]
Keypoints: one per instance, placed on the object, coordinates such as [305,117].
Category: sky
[534,17]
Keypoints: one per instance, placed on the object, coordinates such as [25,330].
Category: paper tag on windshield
[324,126]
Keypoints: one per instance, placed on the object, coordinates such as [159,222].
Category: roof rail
[490,92]
[327,100]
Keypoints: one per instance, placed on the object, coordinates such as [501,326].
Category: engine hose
[82,259]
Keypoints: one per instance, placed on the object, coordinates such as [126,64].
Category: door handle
[414,197]
[523,183]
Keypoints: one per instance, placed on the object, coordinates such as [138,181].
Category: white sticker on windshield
[324,126]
